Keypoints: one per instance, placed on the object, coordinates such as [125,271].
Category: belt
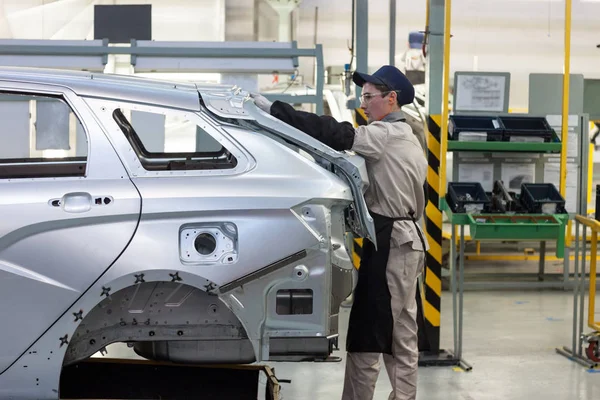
[412,218]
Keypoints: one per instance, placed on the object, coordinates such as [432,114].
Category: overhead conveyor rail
[184,57]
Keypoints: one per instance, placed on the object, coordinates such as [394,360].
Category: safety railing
[584,342]
[595,227]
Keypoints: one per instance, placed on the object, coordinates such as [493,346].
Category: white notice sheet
[480,93]
[482,173]
[552,175]
[514,175]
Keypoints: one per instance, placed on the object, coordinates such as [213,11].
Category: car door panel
[58,235]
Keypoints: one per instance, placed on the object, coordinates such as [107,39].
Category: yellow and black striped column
[360,117]
[431,298]
[357,252]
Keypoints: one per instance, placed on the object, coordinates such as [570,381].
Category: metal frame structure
[438,144]
[433,73]
[575,352]
[433,63]
[93,55]
[581,206]
[458,284]
[457,288]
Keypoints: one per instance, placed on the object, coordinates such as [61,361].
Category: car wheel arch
[151,305]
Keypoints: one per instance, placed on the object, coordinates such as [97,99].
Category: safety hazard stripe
[357,252]
[433,228]
[360,117]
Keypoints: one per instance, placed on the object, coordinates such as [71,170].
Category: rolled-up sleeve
[370,140]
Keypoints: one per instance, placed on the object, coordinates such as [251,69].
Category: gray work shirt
[397,169]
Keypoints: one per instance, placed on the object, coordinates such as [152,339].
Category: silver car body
[244,260]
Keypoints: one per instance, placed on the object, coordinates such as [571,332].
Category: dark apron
[370,329]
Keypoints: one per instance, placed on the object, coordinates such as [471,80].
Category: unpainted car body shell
[75,278]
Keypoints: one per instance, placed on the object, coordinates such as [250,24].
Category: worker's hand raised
[261,102]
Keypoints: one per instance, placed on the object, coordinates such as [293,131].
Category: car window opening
[160,159]
[42,137]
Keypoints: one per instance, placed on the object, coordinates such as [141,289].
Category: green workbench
[551,147]
[530,227]
[502,227]
[535,227]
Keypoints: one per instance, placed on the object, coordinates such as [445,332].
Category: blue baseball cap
[415,40]
[391,77]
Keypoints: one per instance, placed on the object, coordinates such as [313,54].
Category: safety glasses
[366,98]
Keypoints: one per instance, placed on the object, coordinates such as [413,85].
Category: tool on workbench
[503,201]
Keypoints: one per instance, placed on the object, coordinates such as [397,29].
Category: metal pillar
[362,41]
[432,355]
[433,213]
[255,20]
[320,78]
[565,101]
[392,31]
[435,57]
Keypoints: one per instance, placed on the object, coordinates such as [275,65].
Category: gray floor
[509,339]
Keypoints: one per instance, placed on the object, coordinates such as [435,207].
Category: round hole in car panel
[205,243]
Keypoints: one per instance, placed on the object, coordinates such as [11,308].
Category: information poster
[482,173]
[480,93]
[514,175]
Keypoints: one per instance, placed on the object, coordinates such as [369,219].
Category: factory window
[172,140]
[40,136]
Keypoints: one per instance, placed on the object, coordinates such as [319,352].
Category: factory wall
[518,36]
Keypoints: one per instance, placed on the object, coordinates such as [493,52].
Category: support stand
[457,293]
[483,227]
[440,358]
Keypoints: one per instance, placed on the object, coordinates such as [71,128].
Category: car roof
[119,87]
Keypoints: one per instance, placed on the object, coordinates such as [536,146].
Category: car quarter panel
[277,201]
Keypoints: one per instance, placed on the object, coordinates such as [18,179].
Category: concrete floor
[509,338]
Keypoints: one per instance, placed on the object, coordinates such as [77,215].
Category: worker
[413,60]
[383,314]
